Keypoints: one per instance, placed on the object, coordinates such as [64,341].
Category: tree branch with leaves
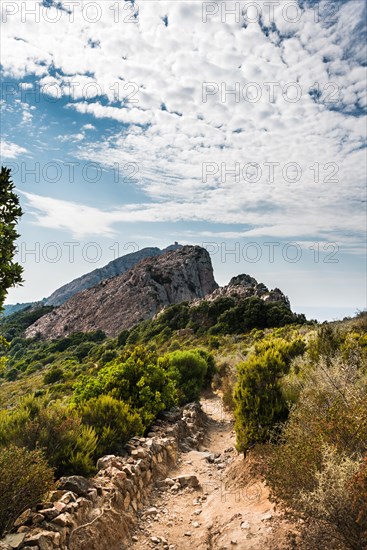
[10,212]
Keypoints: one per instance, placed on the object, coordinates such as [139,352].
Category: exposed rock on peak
[242,280]
[245,286]
[184,274]
[112,269]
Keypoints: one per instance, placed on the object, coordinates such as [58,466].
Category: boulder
[14,540]
[77,484]
[188,480]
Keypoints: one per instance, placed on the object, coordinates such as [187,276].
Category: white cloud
[89,127]
[10,150]
[151,77]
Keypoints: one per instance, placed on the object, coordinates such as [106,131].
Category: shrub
[68,445]
[25,478]
[330,505]
[122,338]
[137,379]
[320,450]
[55,374]
[211,368]
[113,422]
[188,369]
[259,401]
[12,374]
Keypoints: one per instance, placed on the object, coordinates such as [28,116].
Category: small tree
[259,403]
[10,212]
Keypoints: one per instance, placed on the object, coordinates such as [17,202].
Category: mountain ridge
[88,280]
[118,303]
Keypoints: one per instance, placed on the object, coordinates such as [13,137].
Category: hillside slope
[123,301]
[112,269]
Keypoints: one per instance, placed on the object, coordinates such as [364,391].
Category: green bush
[12,374]
[25,478]
[188,369]
[68,445]
[259,400]
[122,338]
[113,422]
[55,374]
[137,379]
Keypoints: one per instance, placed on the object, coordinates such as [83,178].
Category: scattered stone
[49,513]
[245,525]
[105,461]
[266,517]
[188,534]
[64,520]
[23,529]
[14,540]
[196,524]
[151,512]
[188,480]
[25,517]
[37,518]
[68,497]
[59,506]
[77,484]
[44,540]
[210,458]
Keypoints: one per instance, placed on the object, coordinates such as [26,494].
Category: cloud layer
[228,118]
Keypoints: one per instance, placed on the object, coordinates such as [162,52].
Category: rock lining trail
[221,512]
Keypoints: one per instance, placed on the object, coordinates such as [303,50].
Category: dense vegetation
[224,315]
[303,401]
[297,390]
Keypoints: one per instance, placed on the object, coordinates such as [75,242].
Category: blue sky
[131,125]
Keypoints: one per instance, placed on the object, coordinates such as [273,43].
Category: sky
[237,126]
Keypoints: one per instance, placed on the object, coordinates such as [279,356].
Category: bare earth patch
[221,513]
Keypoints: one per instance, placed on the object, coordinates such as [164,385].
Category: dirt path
[221,513]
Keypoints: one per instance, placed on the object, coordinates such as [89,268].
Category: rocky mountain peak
[245,286]
[182,274]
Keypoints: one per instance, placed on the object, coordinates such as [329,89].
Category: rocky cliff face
[244,286]
[119,303]
[112,269]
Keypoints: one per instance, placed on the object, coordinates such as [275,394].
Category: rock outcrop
[112,269]
[120,303]
[100,513]
[245,286]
